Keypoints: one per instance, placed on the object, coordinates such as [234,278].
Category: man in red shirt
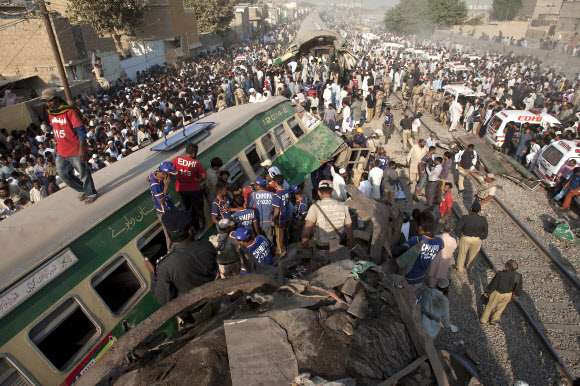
[187,185]
[446,202]
[71,147]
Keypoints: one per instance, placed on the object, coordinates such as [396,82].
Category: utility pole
[55,51]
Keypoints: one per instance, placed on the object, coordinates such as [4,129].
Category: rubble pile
[349,322]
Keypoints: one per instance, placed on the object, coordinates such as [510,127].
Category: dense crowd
[256,223]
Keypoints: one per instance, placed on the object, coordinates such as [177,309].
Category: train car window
[152,244]
[253,156]
[118,284]
[269,145]
[283,137]
[237,173]
[63,335]
[10,374]
[295,127]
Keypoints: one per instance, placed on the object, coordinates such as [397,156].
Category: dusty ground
[509,351]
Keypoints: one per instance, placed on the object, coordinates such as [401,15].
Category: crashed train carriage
[73,278]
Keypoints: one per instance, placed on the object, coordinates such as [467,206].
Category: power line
[24,45]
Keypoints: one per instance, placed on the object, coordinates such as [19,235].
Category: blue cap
[476,206]
[293,189]
[167,167]
[260,181]
[241,234]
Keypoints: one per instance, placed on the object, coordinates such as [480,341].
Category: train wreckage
[350,322]
[314,38]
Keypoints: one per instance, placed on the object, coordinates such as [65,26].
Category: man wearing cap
[472,230]
[435,307]
[259,246]
[255,97]
[70,135]
[228,251]
[261,202]
[189,265]
[159,182]
[187,185]
[338,183]
[267,165]
[359,140]
[406,127]
[328,219]
[486,189]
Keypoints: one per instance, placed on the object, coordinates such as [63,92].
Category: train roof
[314,29]
[33,235]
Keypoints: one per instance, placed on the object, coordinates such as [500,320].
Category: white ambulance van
[556,155]
[495,134]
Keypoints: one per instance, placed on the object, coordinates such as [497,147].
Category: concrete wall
[145,55]
[26,50]
[546,7]
[569,21]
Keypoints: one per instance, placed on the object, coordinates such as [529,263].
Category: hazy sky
[391,3]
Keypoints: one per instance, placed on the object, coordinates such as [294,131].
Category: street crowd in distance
[256,223]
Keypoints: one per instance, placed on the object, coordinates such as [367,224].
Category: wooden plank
[404,372]
[259,353]
[411,316]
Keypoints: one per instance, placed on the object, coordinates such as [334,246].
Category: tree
[448,12]
[411,16]
[213,16]
[116,18]
[506,9]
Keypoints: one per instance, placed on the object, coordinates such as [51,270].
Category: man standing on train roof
[187,185]
[159,182]
[70,135]
[189,265]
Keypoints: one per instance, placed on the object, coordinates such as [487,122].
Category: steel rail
[562,367]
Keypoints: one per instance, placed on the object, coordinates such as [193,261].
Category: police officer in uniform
[189,265]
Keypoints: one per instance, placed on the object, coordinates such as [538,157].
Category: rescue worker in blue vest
[244,217]
[261,202]
[259,246]
[299,213]
[280,214]
[220,207]
[426,246]
[159,182]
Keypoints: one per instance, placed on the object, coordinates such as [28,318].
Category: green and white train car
[72,278]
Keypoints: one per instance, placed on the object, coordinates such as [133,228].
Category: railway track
[550,302]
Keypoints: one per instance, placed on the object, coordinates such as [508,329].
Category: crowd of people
[256,223]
